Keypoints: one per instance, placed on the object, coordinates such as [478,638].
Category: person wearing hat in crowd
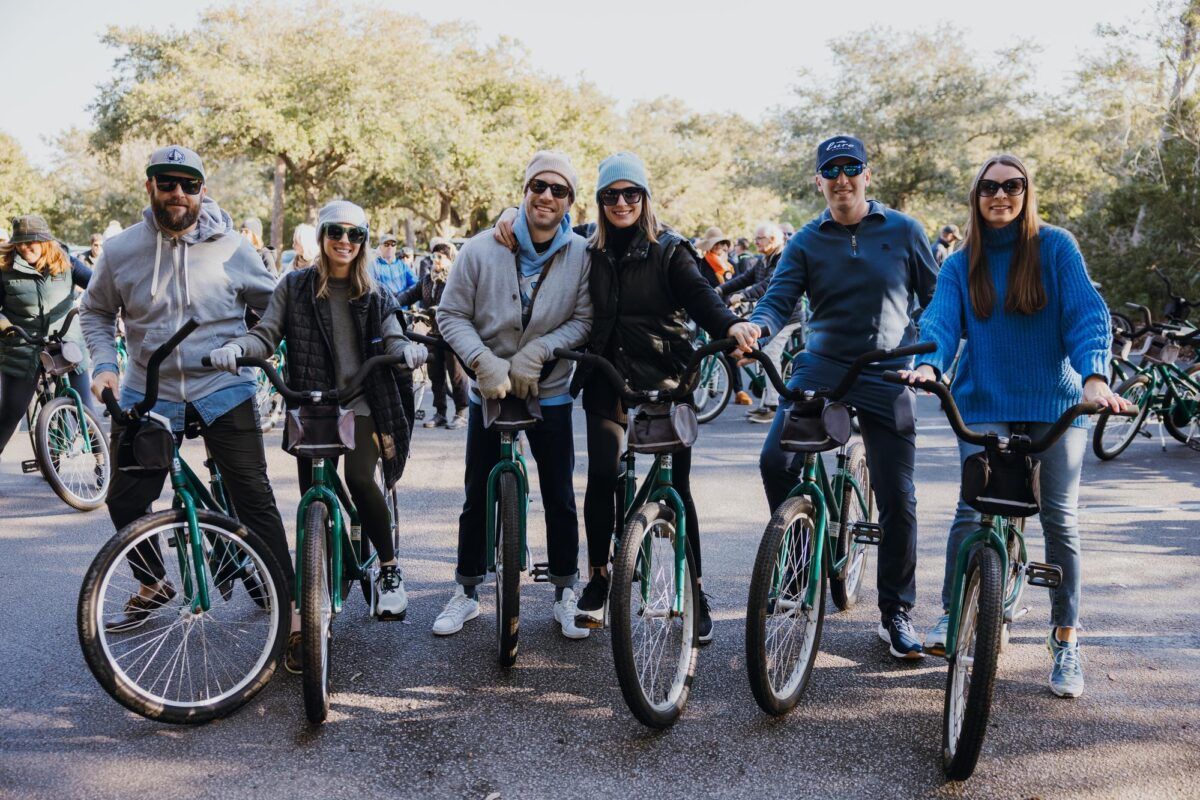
[93,253]
[390,271]
[183,260]
[504,320]
[947,243]
[443,367]
[38,277]
[252,229]
[409,257]
[862,266]
[335,317]
[714,247]
[304,244]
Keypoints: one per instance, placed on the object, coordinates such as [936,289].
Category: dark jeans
[553,449]
[368,499]
[15,394]
[236,445]
[444,367]
[885,414]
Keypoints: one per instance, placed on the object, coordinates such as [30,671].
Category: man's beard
[164,214]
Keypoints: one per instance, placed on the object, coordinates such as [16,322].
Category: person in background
[304,244]
[713,247]
[947,243]
[389,271]
[111,229]
[741,258]
[409,257]
[93,253]
[788,230]
[252,230]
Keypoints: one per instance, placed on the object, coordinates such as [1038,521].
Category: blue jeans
[1061,466]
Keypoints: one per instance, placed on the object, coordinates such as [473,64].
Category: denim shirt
[210,407]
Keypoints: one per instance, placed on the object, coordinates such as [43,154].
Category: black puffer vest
[310,360]
[638,324]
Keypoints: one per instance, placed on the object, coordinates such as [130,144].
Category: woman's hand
[747,334]
[503,232]
[225,358]
[415,355]
[1096,390]
[921,373]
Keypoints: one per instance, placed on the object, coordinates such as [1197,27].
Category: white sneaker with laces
[460,609]
[564,613]
[391,601]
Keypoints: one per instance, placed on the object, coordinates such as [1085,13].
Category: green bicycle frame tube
[989,537]
[65,390]
[320,492]
[514,462]
[664,491]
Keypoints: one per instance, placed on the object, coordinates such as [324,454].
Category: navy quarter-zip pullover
[860,284]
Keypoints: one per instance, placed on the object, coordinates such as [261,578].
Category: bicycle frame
[191,495]
[511,460]
[328,488]
[54,388]
[658,487]
[993,532]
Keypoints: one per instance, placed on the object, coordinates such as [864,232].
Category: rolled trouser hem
[468,580]
[565,581]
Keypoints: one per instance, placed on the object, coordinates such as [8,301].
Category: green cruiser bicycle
[819,533]
[209,649]
[652,598]
[990,571]
[69,446]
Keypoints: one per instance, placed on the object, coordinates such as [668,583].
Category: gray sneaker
[1066,678]
[762,416]
[935,637]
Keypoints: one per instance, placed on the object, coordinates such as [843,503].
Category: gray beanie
[341,211]
[556,162]
[622,167]
[254,225]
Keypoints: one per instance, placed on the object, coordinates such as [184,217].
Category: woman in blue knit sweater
[1037,336]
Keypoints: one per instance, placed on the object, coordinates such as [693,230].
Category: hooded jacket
[158,282]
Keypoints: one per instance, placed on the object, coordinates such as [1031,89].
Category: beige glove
[491,376]
[525,369]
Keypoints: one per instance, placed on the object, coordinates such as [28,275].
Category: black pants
[236,445]
[553,449]
[444,367]
[359,472]
[885,415]
[15,394]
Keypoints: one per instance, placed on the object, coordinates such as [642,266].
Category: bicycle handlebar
[28,338]
[156,359]
[633,398]
[856,368]
[344,393]
[992,440]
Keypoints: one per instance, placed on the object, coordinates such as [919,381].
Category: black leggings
[359,472]
[605,442]
[15,394]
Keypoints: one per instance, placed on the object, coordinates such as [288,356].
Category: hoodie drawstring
[157,261]
[187,295]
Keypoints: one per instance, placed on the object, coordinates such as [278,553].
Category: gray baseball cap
[175,158]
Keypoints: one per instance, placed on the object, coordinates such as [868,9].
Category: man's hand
[1096,390]
[503,232]
[491,376]
[106,380]
[525,369]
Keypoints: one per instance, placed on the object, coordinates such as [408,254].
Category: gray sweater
[481,306]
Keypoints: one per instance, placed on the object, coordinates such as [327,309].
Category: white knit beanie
[342,211]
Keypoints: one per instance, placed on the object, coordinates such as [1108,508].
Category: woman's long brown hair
[1026,294]
[52,261]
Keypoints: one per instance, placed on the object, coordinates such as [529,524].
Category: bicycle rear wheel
[783,634]
[971,679]
[654,647]
[508,569]
[1114,434]
[845,589]
[714,389]
[73,454]
[179,665]
[316,613]
[1182,419]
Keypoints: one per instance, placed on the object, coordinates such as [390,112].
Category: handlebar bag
[318,430]
[146,447]
[814,426]
[1002,484]
[662,428]
[60,358]
[512,413]
[1162,351]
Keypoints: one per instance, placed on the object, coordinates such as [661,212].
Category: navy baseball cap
[839,146]
[175,158]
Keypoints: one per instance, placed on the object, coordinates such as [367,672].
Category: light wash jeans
[1061,465]
[774,351]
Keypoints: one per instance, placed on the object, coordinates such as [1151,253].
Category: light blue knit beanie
[622,167]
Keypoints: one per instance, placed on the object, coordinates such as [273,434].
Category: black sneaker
[438,421]
[591,605]
[704,618]
[896,629]
[138,609]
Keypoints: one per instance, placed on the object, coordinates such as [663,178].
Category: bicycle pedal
[1012,615]
[1048,576]
[420,414]
[540,572]
[29,466]
[867,532]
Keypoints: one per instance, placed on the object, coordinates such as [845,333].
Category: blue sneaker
[935,638]
[896,629]
[1066,678]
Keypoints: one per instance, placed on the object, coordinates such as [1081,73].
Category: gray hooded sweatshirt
[158,282]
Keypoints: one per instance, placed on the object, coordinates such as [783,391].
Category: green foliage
[22,190]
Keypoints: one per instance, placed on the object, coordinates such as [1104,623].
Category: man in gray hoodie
[184,260]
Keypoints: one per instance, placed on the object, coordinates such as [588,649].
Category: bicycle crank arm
[1048,576]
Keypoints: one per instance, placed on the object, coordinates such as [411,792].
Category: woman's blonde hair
[52,261]
[646,221]
[361,281]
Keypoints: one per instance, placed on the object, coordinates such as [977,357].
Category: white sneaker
[460,609]
[564,613]
[391,601]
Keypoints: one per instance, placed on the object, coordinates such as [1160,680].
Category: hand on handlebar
[106,380]
[1096,390]
[921,373]
[491,376]
[225,358]
[415,355]
[746,333]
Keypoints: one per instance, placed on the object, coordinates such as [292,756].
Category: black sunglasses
[167,184]
[632,194]
[557,190]
[1013,187]
[849,170]
[353,234]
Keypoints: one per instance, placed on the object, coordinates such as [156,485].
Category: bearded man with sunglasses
[863,267]
[184,260]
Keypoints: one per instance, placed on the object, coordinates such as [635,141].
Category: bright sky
[729,54]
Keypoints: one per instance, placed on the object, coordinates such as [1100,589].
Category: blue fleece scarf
[531,260]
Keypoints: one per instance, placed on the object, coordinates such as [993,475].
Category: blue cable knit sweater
[1017,367]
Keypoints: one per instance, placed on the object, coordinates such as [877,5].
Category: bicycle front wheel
[654,646]
[180,664]
[971,678]
[316,612]
[783,632]
[712,393]
[845,589]
[73,454]
[1182,419]
[508,570]
[1114,434]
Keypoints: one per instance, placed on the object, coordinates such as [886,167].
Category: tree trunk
[410,238]
[277,210]
[310,203]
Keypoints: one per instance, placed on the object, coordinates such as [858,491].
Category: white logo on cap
[840,144]
[175,156]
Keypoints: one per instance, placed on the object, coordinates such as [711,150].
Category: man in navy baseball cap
[839,147]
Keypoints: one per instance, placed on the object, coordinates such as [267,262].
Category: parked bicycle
[715,385]
[267,398]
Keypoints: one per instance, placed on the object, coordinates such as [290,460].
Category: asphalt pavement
[421,716]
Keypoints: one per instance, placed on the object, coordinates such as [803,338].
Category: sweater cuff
[105,367]
[1096,363]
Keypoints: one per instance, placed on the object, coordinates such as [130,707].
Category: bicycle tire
[61,415]
[1180,434]
[845,590]
[1106,452]
[99,645]
[718,398]
[653,521]
[979,630]
[508,570]
[316,614]
[777,694]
